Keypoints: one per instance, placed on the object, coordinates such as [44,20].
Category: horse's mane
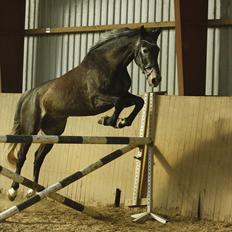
[110,35]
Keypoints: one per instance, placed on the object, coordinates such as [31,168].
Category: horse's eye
[145,50]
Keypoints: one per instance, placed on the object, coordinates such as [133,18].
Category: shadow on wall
[200,183]
[193,175]
[225,70]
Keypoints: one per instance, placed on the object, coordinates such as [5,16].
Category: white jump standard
[150,150]
[149,214]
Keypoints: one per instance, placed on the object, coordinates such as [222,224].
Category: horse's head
[146,55]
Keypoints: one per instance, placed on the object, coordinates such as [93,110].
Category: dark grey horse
[99,83]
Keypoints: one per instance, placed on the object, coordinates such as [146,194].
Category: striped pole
[66,181]
[51,139]
[55,196]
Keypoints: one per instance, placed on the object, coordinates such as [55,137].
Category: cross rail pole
[55,196]
[66,181]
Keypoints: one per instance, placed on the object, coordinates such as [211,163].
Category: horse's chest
[117,85]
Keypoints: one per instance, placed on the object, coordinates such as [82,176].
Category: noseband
[138,49]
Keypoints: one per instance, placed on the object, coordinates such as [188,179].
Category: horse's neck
[120,52]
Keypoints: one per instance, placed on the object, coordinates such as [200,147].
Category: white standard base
[141,217]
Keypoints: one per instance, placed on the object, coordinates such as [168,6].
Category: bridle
[138,49]
[151,44]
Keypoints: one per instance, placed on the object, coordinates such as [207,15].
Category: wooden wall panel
[193,157]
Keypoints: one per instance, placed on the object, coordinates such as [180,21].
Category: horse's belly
[88,111]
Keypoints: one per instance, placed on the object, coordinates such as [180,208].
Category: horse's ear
[156,33]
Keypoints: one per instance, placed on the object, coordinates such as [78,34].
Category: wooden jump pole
[55,196]
[66,181]
[48,139]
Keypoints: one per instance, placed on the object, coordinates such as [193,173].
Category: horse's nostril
[154,81]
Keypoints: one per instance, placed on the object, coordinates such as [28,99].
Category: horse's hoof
[12,194]
[30,193]
[121,122]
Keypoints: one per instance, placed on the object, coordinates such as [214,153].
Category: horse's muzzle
[153,77]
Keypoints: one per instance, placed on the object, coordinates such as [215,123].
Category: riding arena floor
[51,216]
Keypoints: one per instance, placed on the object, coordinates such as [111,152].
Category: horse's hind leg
[28,120]
[40,155]
[24,147]
[49,126]
[12,192]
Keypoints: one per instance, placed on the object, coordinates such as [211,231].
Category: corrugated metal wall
[212,74]
[219,66]
[225,61]
[48,57]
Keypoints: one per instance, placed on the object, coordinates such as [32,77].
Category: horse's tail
[9,150]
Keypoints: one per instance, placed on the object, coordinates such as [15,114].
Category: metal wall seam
[24,87]
[213,43]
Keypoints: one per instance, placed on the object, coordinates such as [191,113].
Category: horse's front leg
[107,100]
[130,100]
[120,103]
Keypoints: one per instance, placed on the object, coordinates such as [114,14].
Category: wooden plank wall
[98,187]
[193,158]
